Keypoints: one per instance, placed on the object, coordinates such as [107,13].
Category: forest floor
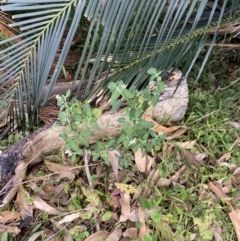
[188,190]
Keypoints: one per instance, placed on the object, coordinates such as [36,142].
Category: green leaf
[121,119]
[4,236]
[112,86]
[145,124]
[36,228]
[74,146]
[68,93]
[96,156]
[106,216]
[161,87]
[127,94]
[152,71]
[152,78]
[156,217]
[116,105]
[155,100]
[86,132]
[96,113]
[87,109]
[94,124]
[115,95]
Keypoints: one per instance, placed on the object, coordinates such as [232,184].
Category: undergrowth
[173,200]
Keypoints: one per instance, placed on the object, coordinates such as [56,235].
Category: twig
[232,83]
[203,117]
[86,159]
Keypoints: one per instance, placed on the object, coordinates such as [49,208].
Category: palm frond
[124,38]
[27,64]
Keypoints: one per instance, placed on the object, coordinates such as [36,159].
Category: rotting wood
[172,106]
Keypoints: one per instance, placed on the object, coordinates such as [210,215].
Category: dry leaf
[39,191]
[186,145]
[178,174]
[143,230]
[115,216]
[224,157]
[22,203]
[6,216]
[140,160]
[234,214]
[113,159]
[179,130]
[159,128]
[69,218]
[200,156]
[131,233]
[115,235]
[9,229]
[63,171]
[115,201]
[97,236]
[35,236]
[235,124]
[217,233]
[125,207]
[189,157]
[164,182]
[151,162]
[133,217]
[43,206]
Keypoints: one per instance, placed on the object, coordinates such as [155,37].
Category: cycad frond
[27,64]
[124,39]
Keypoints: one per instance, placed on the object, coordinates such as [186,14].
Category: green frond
[27,64]
[123,39]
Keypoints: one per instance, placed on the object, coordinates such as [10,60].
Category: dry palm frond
[49,115]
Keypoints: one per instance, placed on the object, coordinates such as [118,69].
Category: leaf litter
[60,200]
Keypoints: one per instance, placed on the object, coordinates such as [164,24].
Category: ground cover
[183,190]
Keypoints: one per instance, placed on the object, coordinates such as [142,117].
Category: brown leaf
[97,236]
[159,128]
[22,203]
[224,157]
[151,162]
[189,157]
[164,182]
[58,168]
[39,192]
[186,145]
[143,230]
[125,207]
[9,229]
[43,206]
[133,216]
[131,233]
[114,202]
[113,159]
[140,160]
[179,130]
[235,212]
[115,235]
[6,216]
[178,174]
[68,218]
[35,236]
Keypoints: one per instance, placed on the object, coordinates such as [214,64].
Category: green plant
[135,131]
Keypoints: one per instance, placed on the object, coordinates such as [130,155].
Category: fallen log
[15,160]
